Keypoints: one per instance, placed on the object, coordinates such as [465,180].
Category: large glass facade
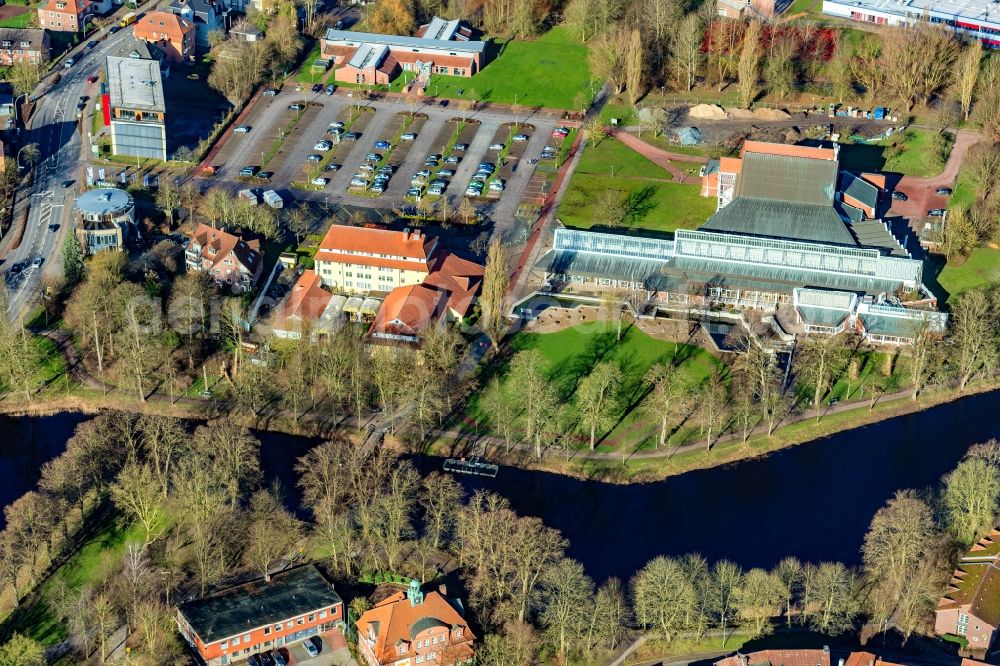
[145,140]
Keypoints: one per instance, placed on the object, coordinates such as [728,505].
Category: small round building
[104,218]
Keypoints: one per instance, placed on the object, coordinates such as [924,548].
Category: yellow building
[363,260]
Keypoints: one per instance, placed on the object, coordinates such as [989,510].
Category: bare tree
[440,499]
[138,493]
[971,499]
[535,395]
[272,534]
[597,399]
[757,599]
[918,60]
[566,594]
[973,334]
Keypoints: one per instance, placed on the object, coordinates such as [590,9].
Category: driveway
[334,652]
[920,191]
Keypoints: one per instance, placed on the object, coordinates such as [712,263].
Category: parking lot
[281,141]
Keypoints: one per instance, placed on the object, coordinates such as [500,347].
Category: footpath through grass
[572,354]
[550,71]
[654,203]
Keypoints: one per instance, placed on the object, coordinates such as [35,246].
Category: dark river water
[813,501]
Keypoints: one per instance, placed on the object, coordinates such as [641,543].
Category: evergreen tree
[72,259]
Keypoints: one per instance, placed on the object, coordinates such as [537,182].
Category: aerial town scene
[500,332]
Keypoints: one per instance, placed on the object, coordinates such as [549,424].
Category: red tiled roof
[866,659]
[394,618]
[458,277]
[246,253]
[413,247]
[72,6]
[307,300]
[148,27]
[408,310]
[778,658]
[787,150]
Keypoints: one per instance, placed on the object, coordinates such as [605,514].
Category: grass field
[550,71]
[922,153]
[981,268]
[20,21]
[660,205]
[573,352]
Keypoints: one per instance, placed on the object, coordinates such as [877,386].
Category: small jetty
[475,466]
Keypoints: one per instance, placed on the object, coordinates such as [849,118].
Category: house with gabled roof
[970,607]
[227,258]
[416,628]
[778,658]
[64,15]
[308,308]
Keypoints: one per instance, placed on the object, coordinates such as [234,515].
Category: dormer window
[25,44]
[6,45]
[458,632]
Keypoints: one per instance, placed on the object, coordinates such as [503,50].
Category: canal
[813,501]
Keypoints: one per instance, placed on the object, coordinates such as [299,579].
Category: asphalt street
[53,127]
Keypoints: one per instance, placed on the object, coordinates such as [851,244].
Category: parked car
[378,188]
[943,191]
[359,181]
[332,167]
[271,92]
[70,61]
[452,159]
[432,163]
[936,212]
[267,659]
[314,158]
[281,656]
[323,145]
[351,136]
[91,44]
[253,660]
[368,168]
[373,157]
[113,29]
[296,106]
[436,191]
[413,192]
[409,136]
[248,171]
[437,182]
[92,78]
[520,137]
[424,173]
[53,228]
[265,175]
[480,176]
[443,103]
[37,261]
[317,87]
[313,645]
[337,125]
[561,131]
[496,146]
[242,129]
[899,196]
[487,166]
[321,182]
[462,146]
[446,173]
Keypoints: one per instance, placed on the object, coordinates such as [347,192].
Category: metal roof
[883,319]
[135,83]
[782,178]
[781,219]
[350,38]
[104,200]
[982,11]
[876,233]
[648,272]
[259,603]
[859,189]
[368,55]
[441,29]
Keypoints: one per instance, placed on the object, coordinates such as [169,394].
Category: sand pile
[707,112]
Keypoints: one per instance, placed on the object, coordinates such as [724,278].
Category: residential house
[778,658]
[23,45]
[371,58]
[970,607]
[135,107]
[208,16]
[362,260]
[104,219]
[246,31]
[308,308]
[64,15]
[227,258]
[174,34]
[415,628]
[7,111]
[278,610]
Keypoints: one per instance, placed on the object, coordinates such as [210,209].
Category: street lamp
[18,157]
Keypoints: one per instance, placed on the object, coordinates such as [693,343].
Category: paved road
[53,127]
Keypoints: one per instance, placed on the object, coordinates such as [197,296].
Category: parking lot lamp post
[262,159]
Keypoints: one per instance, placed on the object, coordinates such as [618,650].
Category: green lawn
[981,268]
[573,352]
[20,21]
[660,205]
[550,71]
[922,153]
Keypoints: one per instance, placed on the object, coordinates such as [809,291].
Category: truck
[127,20]
[273,199]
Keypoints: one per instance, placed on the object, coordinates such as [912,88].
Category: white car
[496,146]
[323,146]
[310,647]
[521,137]
[497,185]
[409,136]
[322,182]
[242,129]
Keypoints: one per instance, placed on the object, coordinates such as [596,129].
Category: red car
[92,78]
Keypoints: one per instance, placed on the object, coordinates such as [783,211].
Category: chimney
[443,590]
[406,233]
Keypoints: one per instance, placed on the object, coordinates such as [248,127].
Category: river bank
[634,466]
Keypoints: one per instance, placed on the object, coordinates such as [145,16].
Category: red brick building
[174,35]
[18,45]
[444,47]
[227,258]
[64,15]
[971,605]
[414,628]
[231,624]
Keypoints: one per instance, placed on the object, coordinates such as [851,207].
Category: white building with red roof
[227,258]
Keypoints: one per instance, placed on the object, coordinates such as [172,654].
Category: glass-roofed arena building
[780,245]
